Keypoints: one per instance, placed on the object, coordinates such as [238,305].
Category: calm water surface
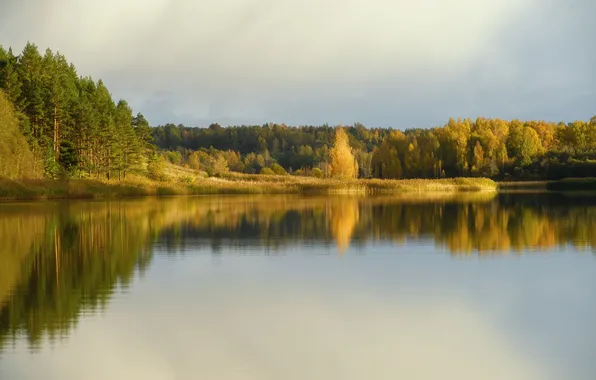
[280,287]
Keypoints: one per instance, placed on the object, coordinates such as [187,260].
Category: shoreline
[139,186]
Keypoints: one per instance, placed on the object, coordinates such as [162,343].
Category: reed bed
[140,186]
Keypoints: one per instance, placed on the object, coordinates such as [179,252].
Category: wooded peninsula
[63,135]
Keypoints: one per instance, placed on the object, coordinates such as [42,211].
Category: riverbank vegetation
[136,186]
[63,135]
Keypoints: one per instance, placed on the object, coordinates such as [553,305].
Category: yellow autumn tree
[344,215]
[343,164]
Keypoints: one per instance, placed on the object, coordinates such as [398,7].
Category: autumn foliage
[343,163]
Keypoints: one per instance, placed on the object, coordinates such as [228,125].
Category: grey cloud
[380,62]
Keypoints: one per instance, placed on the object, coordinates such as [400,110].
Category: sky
[398,63]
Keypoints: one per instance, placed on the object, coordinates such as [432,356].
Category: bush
[318,173]
[187,179]
[267,171]
[156,169]
[278,169]
[174,157]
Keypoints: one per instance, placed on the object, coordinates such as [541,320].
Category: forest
[493,148]
[57,124]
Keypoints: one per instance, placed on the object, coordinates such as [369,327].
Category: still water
[283,287]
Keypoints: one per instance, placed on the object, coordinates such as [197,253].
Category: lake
[473,286]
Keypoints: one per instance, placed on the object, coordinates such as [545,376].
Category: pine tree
[144,134]
[60,97]
[106,135]
[85,134]
[31,98]
[127,147]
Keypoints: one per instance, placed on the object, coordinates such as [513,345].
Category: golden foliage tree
[343,164]
[343,215]
[16,159]
[478,159]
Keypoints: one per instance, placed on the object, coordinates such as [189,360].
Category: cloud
[294,334]
[388,62]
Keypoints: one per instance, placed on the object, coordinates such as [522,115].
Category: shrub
[186,179]
[156,169]
[267,171]
[278,169]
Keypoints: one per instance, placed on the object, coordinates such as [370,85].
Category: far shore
[140,186]
[234,183]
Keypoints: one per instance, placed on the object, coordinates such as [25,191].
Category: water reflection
[61,259]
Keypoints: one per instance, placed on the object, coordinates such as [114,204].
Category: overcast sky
[400,63]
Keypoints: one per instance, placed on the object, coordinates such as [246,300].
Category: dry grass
[188,182]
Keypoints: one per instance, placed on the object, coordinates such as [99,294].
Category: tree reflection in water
[61,259]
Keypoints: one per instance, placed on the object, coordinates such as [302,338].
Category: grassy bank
[137,186]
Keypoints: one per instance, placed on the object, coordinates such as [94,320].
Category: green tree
[60,97]
[127,148]
[106,137]
[277,169]
[11,81]
[143,132]
[32,95]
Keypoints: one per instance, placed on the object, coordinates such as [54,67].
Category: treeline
[58,124]
[70,123]
[483,147]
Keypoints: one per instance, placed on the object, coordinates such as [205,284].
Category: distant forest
[55,123]
[483,147]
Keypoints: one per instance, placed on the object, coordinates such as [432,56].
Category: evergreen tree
[144,134]
[61,96]
[106,138]
[126,147]
[31,75]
